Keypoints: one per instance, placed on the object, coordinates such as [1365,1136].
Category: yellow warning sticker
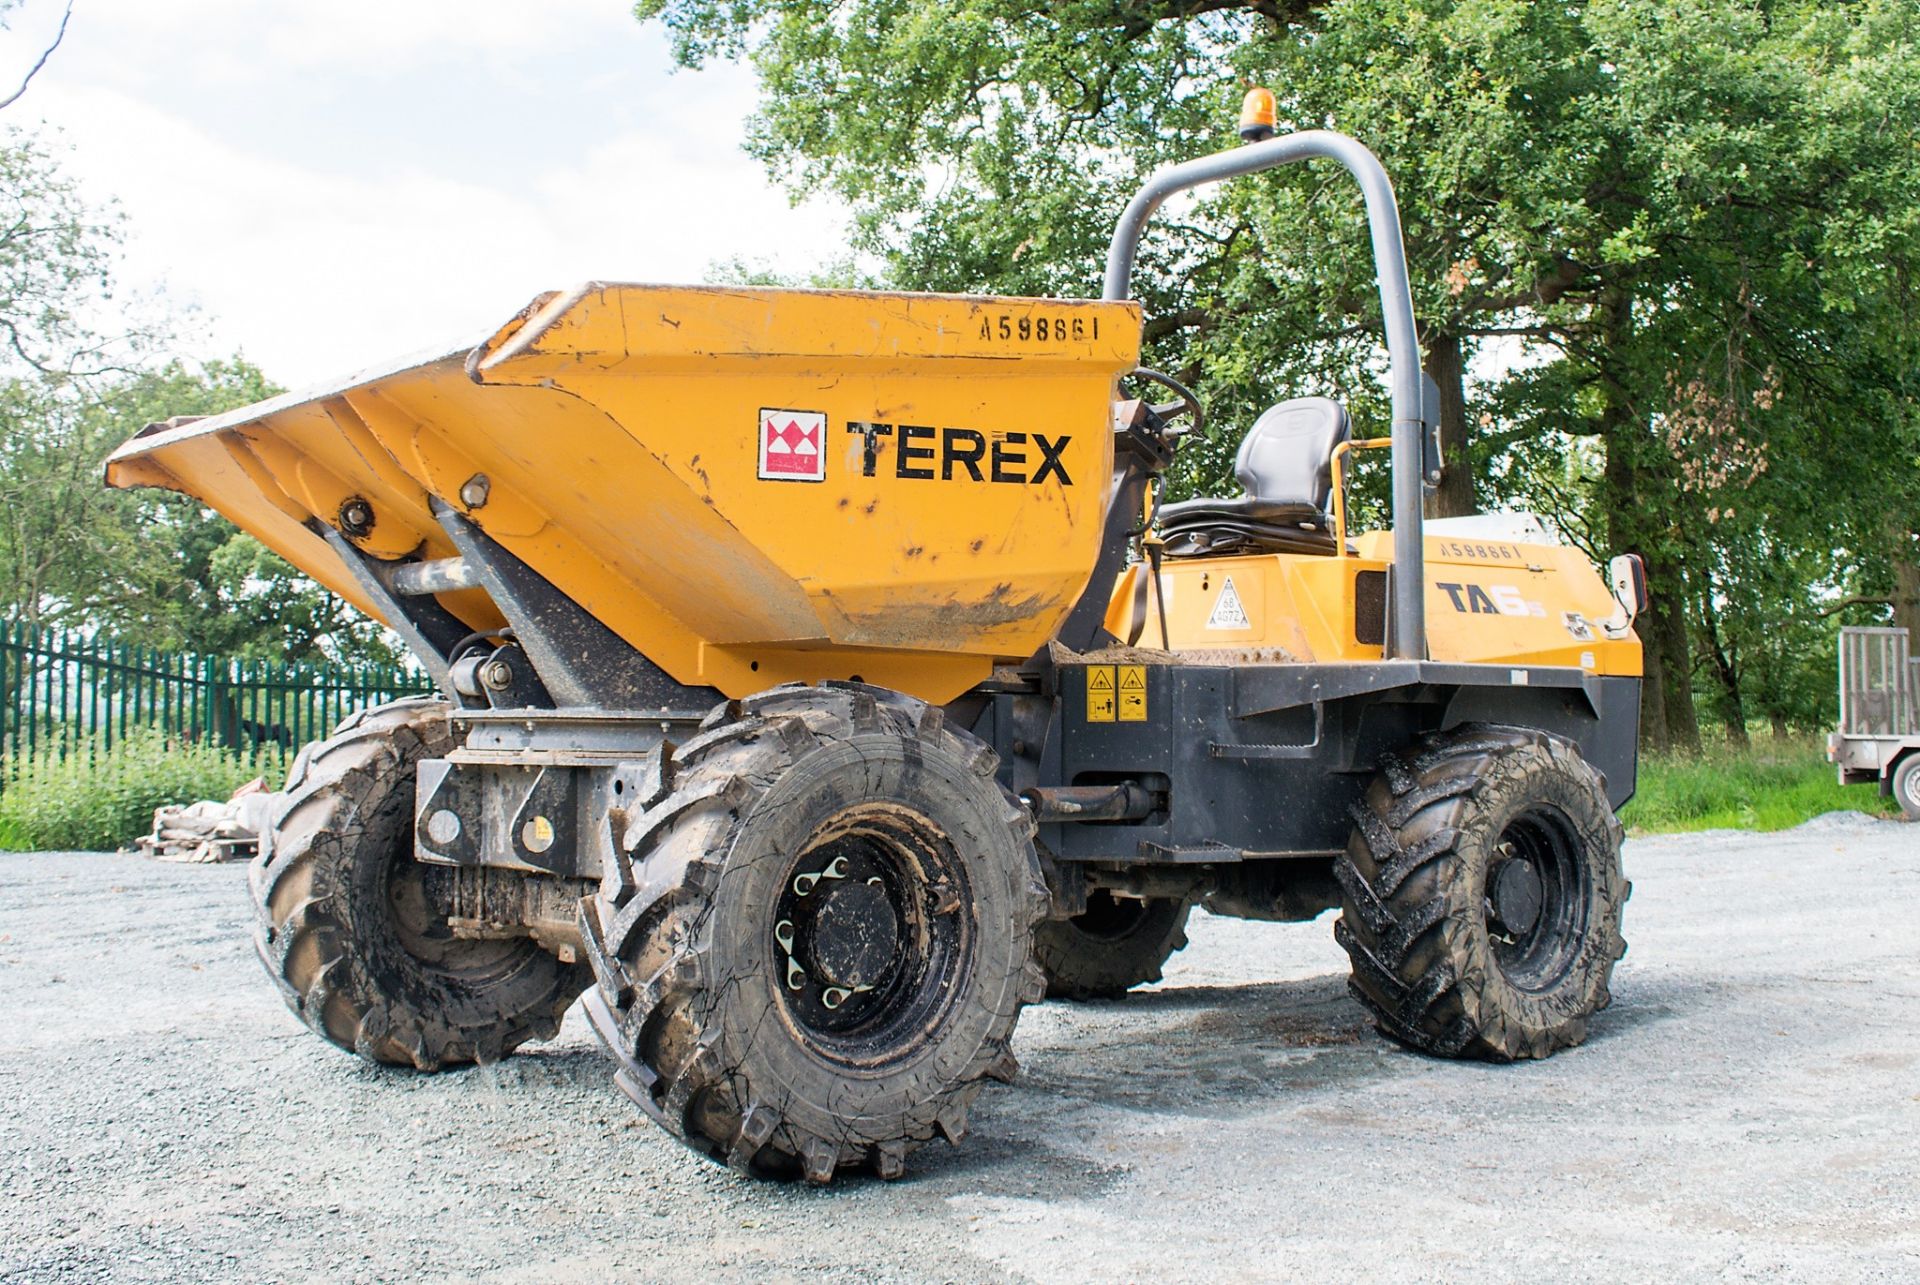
[1099,693]
[1133,693]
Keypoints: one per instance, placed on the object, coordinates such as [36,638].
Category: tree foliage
[54,261]
[76,380]
[1662,250]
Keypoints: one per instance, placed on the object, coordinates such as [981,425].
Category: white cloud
[263,39]
[342,217]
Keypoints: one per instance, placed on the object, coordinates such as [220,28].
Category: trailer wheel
[822,936]
[347,921]
[1117,944]
[1483,895]
[1906,785]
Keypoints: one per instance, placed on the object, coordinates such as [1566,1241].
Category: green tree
[152,568]
[1664,233]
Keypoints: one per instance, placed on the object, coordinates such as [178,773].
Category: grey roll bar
[1407,630]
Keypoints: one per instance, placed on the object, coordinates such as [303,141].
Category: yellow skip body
[749,486]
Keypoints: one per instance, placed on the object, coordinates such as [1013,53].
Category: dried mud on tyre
[1117,944]
[1482,895]
[820,939]
[346,919]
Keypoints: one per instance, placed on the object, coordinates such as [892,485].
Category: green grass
[96,800]
[1773,786]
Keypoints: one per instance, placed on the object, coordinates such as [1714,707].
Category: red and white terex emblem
[793,445]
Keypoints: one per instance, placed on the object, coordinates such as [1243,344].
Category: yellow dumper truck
[820,683]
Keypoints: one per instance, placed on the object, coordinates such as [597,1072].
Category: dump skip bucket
[749,486]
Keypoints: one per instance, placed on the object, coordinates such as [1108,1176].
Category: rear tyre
[821,936]
[1482,895]
[349,923]
[1906,786]
[1117,944]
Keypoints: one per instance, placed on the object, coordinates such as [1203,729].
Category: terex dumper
[819,684]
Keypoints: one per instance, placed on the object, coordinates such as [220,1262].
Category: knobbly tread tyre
[1082,964]
[1414,918]
[322,893]
[682,959]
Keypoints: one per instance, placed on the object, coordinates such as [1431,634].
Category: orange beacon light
[1256,115]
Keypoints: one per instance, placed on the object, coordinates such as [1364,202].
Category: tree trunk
[1636,494]
[1663,631]
[1904,556]
[1734,714]
[1632,490]
[1620,485]
[1454,496]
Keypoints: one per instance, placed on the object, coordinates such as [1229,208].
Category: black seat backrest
[1287,457]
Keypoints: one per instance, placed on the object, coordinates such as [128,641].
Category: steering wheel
[1187,404]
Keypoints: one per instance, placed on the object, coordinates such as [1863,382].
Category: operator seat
[1285,466]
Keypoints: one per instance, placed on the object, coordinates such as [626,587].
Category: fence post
[219,730]
[9,739]
[33,682]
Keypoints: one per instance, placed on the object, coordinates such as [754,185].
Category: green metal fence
[67,692]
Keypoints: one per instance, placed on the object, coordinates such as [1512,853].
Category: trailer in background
[1879,736]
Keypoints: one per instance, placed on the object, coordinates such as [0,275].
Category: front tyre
[1482,895]
[822,936]
[354,930]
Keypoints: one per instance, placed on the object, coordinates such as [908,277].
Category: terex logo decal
[1494,600]
[924,452]
[793,446]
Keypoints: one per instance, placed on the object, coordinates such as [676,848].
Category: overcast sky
[333,184]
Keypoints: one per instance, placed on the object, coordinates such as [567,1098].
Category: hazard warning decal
[1227,611]
[1133,693]
[1116,693]
[793,446]
[1099,693]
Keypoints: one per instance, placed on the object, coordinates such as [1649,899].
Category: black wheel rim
[418,898]
[1110,918]
[1535,899]
[871,935]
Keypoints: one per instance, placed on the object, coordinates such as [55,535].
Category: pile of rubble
[210,831]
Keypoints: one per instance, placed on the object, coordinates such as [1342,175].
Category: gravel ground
[1747,1108]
